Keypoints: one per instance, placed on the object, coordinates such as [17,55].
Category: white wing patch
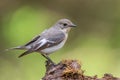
[41,42]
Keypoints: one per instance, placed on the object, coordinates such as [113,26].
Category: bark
[70,70]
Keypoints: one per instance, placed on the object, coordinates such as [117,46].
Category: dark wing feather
[32,41]
[25,53]
[35,39]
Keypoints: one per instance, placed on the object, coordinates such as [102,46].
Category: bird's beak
[73,25]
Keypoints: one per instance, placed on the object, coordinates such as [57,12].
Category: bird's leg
[44,55]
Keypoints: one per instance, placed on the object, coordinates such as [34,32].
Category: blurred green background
[95,42]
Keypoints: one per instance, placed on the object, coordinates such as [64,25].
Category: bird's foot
[51,62]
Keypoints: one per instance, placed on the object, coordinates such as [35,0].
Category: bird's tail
[14,48]
[22,48]
[17,48]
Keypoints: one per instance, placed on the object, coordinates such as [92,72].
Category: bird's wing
[50,41]
[35,39]
[32,41]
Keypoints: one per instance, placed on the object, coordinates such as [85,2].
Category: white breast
[54,48]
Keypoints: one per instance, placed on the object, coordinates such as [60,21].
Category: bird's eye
[64,24]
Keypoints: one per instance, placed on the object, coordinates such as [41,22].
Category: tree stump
[70,70]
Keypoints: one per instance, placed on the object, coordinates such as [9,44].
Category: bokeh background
[95,42]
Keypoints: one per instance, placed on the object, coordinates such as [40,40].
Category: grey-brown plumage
[49,40]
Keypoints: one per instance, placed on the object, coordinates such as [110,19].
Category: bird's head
[64,25]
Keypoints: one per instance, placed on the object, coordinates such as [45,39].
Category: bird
[49,41]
